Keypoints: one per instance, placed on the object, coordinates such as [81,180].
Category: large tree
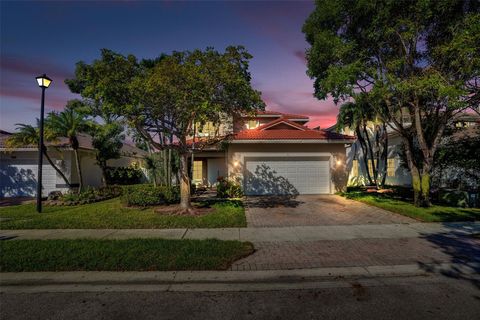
[163,99]
[417,56]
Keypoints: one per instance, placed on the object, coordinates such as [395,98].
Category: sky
[49,37]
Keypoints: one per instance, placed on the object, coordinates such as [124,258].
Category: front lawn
[432,214]
[120,255]
[111,214]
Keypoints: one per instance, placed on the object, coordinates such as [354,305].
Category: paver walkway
[315,210]
[360,252]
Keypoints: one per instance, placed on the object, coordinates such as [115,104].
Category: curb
[216,280]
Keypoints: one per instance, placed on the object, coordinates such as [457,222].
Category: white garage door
[18,178]
[277,176]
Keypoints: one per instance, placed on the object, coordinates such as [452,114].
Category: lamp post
[43,82]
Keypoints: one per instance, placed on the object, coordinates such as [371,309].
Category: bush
[145,195]
[89,195]
[124,175]
[228,188]
[454,198]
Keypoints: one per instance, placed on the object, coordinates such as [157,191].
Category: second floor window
[208,129]
[252,124]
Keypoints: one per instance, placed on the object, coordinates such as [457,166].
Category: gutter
[294,141]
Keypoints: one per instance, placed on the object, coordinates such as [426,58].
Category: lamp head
[43,81]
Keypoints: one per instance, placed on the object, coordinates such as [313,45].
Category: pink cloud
[27,66]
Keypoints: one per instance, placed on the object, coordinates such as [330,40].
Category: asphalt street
[418,297]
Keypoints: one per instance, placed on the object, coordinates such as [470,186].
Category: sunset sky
[50,37]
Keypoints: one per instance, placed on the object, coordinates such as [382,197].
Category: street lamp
[43,82]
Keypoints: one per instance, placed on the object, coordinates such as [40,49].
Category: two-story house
[272,153]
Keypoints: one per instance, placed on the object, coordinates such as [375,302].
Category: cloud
[28,66]
[321,112]
[301,56]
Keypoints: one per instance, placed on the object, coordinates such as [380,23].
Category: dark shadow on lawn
[272,202]
[462,244]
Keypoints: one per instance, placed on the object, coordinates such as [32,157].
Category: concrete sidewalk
[211,280]
[282,234]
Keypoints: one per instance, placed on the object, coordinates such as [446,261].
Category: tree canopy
[421,56]
[163,99]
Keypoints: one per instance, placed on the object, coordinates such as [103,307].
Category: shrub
[454,198]
[124,175]
[88,195]
[228,188]
[145,195]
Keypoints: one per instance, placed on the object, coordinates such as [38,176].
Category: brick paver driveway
[314,210]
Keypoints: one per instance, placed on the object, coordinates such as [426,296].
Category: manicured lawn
[120,255]
[432,214]
[111,214]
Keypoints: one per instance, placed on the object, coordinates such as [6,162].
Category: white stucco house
[18,166]
[272,153]
[397,172]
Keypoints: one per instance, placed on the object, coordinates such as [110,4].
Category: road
[413,297]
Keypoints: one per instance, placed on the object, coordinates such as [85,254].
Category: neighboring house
[272,153]
[18,166]
[397,173]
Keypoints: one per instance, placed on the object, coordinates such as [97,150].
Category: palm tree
[69,123]
[29,135]
[355,116]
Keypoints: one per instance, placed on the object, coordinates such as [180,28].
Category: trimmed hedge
[124,175]
[145,195]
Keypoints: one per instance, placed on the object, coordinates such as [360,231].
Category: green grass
[432,214]
[111,214]
[120,255]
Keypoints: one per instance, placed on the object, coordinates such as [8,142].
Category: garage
[18,178]
[289,175]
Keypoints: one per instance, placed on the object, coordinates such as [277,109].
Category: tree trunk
[44,151]
[363,145]
[370,149]
[165,168]
[104,175]
[420,178]
[184,183]
[169,168]
[385,154]
[79,170]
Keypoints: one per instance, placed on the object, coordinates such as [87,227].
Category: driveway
[315,210]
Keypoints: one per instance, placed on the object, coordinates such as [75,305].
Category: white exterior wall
[18,171]
[402,175]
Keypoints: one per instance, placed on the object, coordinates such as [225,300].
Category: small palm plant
[29,135]
[69,123]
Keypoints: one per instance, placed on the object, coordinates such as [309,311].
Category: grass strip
[111,214]
[434,213]
[120,255]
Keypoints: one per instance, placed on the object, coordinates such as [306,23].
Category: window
[391,167]
[370,168]
[197,170]
[252,124]
[207,130]
[355,168]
